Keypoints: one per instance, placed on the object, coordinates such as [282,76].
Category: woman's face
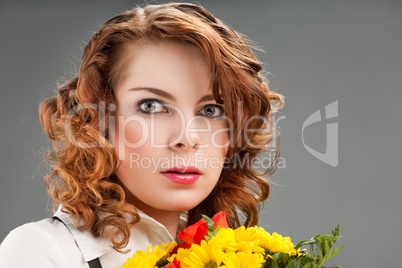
[167,122]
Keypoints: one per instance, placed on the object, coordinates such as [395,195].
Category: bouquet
[210,243]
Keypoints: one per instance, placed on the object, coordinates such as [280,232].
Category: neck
[170,219]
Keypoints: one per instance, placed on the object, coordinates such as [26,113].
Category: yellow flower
[206,255]
[238,240]
[275,242]
[169,246]
[150,259]
[141,259]
[181,254]
[243,259]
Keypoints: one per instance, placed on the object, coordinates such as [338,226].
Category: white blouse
[48,243]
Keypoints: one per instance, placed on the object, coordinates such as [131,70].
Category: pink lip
[183,178]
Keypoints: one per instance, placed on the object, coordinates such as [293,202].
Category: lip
[183,178]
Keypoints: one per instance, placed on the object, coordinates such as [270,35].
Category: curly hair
[83,178]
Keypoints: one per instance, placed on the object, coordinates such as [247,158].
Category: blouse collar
[147,229]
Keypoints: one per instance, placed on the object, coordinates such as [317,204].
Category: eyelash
[162,104]
[141,102]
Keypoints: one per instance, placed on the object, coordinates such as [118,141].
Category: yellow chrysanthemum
[141,259]
[163,253]
[149,259]
[206,255]
[243,259]
[238,240]
[275,242]
[181,254]
[169,246]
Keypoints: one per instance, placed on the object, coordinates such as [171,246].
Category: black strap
[95,263]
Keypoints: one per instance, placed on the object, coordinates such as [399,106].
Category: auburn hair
[82,176]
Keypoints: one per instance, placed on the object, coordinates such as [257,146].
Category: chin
[182,206]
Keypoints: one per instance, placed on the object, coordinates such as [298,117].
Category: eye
[212,111]
[150,106]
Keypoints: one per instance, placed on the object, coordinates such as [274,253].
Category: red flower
[174,264]
[220,219]
[176,248]
[195,233]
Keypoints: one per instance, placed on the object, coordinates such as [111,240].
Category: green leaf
[337,230]
[321,247]
[309,265]
[294,264]
[274,264]
[331,254]
[211,225]
[326,248]
[336,251]
[210,222]
[305,242]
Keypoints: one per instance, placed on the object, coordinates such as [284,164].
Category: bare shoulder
[46,243]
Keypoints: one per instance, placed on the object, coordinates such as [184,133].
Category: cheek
[215,153]
[219,140]
[129,134]
[135,134]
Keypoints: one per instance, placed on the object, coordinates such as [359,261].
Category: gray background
[318,52]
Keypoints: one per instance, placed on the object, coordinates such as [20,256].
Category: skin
[191,133]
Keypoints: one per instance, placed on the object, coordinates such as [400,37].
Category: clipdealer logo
[330,156]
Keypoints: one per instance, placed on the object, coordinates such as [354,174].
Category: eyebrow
[167,95]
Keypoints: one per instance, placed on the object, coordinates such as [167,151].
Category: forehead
[170,66]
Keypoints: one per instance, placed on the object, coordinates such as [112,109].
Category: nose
[186,136]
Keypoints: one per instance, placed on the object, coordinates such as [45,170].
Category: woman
[161,124]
